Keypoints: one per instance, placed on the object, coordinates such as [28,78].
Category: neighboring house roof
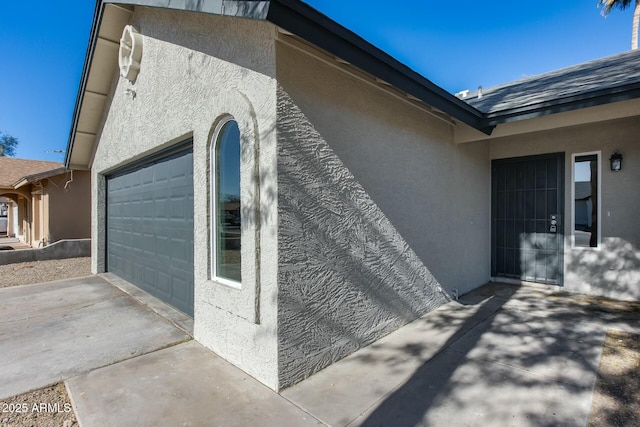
[13,170]
[29,179]
[521,100]
[605,80]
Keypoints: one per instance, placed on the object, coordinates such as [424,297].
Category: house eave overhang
[304,22]
[69,153]
[21,183]
[561,105]
[315,28]
[238,8]
[37,177]
[293,16]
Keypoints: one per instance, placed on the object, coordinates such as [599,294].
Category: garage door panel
[150,228]
[179,291]
[164,282]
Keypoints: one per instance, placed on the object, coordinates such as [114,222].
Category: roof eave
[305,22]
[570,103]
[237,8]
[28,179]
[20,183]
[93,37]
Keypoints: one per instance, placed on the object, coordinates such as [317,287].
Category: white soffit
[103,66]
[102,70]
[114,19]
[82,150]
[93,105]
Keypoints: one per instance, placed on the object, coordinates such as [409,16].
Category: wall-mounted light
[616,161]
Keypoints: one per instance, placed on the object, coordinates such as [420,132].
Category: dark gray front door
[527,218]
[150,227]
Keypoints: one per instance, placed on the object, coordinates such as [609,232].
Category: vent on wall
[130,53]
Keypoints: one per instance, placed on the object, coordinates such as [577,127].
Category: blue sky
[457,45]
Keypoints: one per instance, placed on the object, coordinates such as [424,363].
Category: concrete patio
[502,355]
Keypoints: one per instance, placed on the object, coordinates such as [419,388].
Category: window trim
[213,199]
[598,155]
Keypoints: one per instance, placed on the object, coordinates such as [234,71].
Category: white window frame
[598,154]
[213,200]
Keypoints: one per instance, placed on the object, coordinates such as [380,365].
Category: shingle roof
[604,76]
[12,170]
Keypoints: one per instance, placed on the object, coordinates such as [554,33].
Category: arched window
[225,204]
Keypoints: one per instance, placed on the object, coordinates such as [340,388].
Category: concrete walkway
[12,242]
[503,355]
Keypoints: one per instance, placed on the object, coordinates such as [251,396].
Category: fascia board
[312,26]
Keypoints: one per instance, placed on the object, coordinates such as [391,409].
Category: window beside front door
[225,204]
[586,200]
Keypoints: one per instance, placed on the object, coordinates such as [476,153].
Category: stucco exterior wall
[613,270]
[23,232]
[69,213]
[380,214]
[36,218]
[195,70]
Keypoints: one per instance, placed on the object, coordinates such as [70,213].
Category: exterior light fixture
[616,161]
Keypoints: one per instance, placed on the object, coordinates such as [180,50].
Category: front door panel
[527,218]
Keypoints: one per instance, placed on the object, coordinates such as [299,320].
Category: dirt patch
[43,271]
[616,399]
[47,407]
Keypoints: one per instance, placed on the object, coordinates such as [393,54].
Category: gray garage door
[150,227]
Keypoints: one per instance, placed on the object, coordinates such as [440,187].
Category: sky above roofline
[456,45]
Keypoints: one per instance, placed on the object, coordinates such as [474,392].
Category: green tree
[607,5]
[8,145]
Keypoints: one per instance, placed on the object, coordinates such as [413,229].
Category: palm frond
[608,5]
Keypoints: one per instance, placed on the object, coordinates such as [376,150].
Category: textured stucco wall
[195,70]
[70,208]
[614,269]
[380,214]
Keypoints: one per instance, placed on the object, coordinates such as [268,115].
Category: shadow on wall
[263,194]
[346,276]
[613,271]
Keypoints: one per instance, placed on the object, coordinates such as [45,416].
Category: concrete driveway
[53,331]
[126,359]
[503,355]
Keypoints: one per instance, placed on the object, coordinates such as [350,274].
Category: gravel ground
[47,407]
[616,399]
[43,271]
